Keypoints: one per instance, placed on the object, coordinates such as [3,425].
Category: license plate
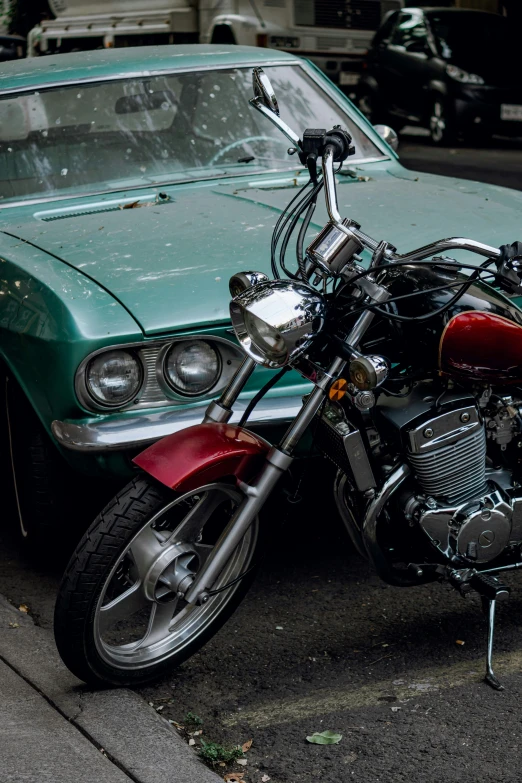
[510,111]
[350,79]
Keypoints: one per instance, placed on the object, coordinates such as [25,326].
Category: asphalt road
[319,643]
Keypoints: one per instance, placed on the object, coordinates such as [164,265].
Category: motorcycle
[416,366]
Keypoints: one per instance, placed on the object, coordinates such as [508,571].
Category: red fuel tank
[483,346]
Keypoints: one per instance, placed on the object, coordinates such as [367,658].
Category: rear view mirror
[142,102]
[263,90]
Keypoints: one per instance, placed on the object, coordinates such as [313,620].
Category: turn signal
[368,372]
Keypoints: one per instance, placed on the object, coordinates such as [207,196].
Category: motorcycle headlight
[113,378]
[463,76]
[192,367]
[276,321]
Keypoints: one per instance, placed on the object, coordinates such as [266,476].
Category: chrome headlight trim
[155,391]
[291,314]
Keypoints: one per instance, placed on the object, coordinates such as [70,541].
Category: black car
[12,47]
[457,72]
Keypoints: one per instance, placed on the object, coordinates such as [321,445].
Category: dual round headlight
[190,368]
[114,378]
[276,321]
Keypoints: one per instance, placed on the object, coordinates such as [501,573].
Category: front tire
[118,617]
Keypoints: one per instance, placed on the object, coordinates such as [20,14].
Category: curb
[119,722]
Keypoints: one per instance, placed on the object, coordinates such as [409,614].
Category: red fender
[202,454]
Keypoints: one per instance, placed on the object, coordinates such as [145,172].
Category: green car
[134,183]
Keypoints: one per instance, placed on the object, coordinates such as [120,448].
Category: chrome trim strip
[128,432]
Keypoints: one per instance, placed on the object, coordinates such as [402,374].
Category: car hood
[169,264]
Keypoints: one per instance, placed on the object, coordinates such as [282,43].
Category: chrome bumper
[129,432]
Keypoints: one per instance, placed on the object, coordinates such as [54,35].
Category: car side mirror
[418,46]
[389,135]
[263,90]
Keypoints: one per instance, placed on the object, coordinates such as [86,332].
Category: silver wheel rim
[437,122]
[139,598]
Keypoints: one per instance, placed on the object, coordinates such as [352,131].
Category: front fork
[278,460]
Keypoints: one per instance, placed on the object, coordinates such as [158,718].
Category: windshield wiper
[246,159]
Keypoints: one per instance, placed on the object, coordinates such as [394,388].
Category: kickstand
[488,606]
[491,590]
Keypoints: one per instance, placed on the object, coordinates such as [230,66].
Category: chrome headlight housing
[113,378]
[275,322]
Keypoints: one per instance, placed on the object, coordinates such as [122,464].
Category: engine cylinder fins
[453,473]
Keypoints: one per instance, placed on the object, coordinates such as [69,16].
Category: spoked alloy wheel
[120,616]
[441,125]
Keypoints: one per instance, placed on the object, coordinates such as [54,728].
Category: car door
[406,64]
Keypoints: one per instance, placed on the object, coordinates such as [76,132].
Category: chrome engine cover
[476,531]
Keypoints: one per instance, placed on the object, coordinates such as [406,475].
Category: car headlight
[113,378]
[276,321]
[192,367]
[463,76]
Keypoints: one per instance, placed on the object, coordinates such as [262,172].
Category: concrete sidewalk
[38,744]
[52,728]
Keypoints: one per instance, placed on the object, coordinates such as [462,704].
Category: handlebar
[352,231]
[441,245]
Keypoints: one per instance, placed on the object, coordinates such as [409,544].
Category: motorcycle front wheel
[120,618]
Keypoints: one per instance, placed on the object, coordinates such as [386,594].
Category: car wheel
[442,126]
[41,482]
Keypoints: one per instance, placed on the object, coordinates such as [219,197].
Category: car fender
[202,454]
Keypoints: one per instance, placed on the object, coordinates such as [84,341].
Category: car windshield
[469,36]
[153,130]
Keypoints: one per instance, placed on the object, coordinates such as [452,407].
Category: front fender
[202,454]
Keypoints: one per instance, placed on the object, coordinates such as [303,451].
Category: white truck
[335,34]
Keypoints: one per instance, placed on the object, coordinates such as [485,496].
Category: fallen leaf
[222,764]
[325,738]
[23,608]
[265,779]
[234,777]
[176,725]
[243,762]
[14,625]
[192,741]
[134,205]
[247,746]
[459,641]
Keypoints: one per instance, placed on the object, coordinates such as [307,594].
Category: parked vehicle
[429,67]
[416,363]
[118,235]
[114,329]
[334,36]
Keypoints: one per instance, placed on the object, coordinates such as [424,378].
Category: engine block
[447,454]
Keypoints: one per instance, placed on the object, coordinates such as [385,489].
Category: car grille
[340,14]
